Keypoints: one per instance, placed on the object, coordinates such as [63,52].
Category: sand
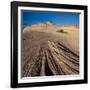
[46,51]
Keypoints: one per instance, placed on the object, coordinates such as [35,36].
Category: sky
[58,18]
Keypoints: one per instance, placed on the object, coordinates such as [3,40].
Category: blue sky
[58,18]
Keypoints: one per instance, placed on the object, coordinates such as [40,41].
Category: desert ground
[49,50]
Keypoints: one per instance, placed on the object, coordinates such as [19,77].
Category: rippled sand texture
[48,52]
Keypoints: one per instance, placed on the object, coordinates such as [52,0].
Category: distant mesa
[40,26]
[49,26]
[46,24]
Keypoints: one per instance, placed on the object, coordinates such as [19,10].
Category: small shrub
[61,31]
